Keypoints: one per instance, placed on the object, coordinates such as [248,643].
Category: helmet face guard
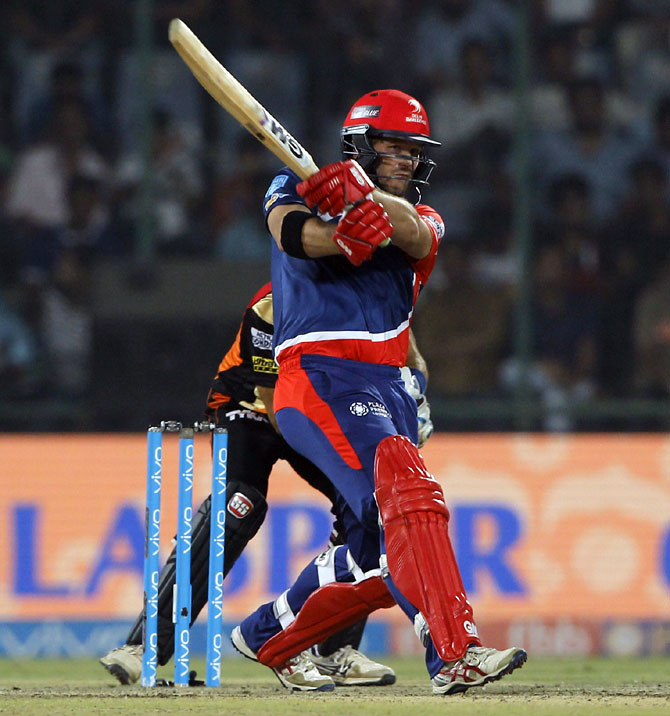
[387,114]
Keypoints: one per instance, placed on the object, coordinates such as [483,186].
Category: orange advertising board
[574,527]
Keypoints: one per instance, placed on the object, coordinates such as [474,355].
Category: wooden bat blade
[238,101]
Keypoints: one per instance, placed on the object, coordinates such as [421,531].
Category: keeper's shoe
[479,666]
[349,667]
[296,674]
[124,663]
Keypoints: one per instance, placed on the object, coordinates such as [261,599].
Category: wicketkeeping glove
[425,424]
[336,187]
[423,418]
[361,230]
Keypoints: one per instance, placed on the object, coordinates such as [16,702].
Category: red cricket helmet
[387,113]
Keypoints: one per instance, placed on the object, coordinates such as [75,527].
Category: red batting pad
[327,610]
[419,552]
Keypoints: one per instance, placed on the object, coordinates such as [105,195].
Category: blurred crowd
[587,139]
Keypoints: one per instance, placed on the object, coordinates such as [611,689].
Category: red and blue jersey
[327,306]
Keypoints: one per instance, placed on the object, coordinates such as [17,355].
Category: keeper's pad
[418,549]
[245,514]
[326,611]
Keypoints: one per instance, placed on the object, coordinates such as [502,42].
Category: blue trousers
[336,412]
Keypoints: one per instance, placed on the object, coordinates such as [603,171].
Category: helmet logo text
[365,111]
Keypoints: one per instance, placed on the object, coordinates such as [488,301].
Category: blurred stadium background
[132,238]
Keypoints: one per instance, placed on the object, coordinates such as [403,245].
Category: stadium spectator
[652,335]
[68,82]
[37,190]
[571,224]
[564,350]
[461,328]
[589,145]
[18,352]
[44,35]
[444,26]
[477,117]
[659,144]
[177,186]
[636,244]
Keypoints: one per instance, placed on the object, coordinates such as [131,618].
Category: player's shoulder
[263,292]
[282,189]
[433,218]
[263,308]
[259,314]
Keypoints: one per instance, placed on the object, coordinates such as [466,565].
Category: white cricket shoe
[349,667]
[296,674]
[479,666]
[125,663]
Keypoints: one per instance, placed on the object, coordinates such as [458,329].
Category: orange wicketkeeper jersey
[248,363]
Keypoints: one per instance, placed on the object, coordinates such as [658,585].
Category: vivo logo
[153,537]
[152,595]
[185,538]
[222,470]
[217,602]
[184,652]
[157,469]
[153,643]
[188,468]
[215,662]
[220,535]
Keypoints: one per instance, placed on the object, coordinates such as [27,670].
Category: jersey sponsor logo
[264,365]
[438,226]
[261,339]
[271,200]
[277,183]
[240,505]
[359,409]
[378,409]
[366,110]
[248,414]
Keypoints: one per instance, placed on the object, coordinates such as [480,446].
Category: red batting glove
[361,230]
[335,187]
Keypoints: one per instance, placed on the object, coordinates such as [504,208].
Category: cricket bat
[238,101]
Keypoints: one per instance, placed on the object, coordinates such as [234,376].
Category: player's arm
[410,232]
[360,230]
[415,375]
[316,236]
[267,394]
[414,358]
[342,185]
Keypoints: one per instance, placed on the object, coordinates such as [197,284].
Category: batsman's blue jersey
[341,336]
[327,306]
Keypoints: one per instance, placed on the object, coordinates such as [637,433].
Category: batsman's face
[398,159]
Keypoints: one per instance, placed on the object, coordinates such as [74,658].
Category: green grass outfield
[616,687]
